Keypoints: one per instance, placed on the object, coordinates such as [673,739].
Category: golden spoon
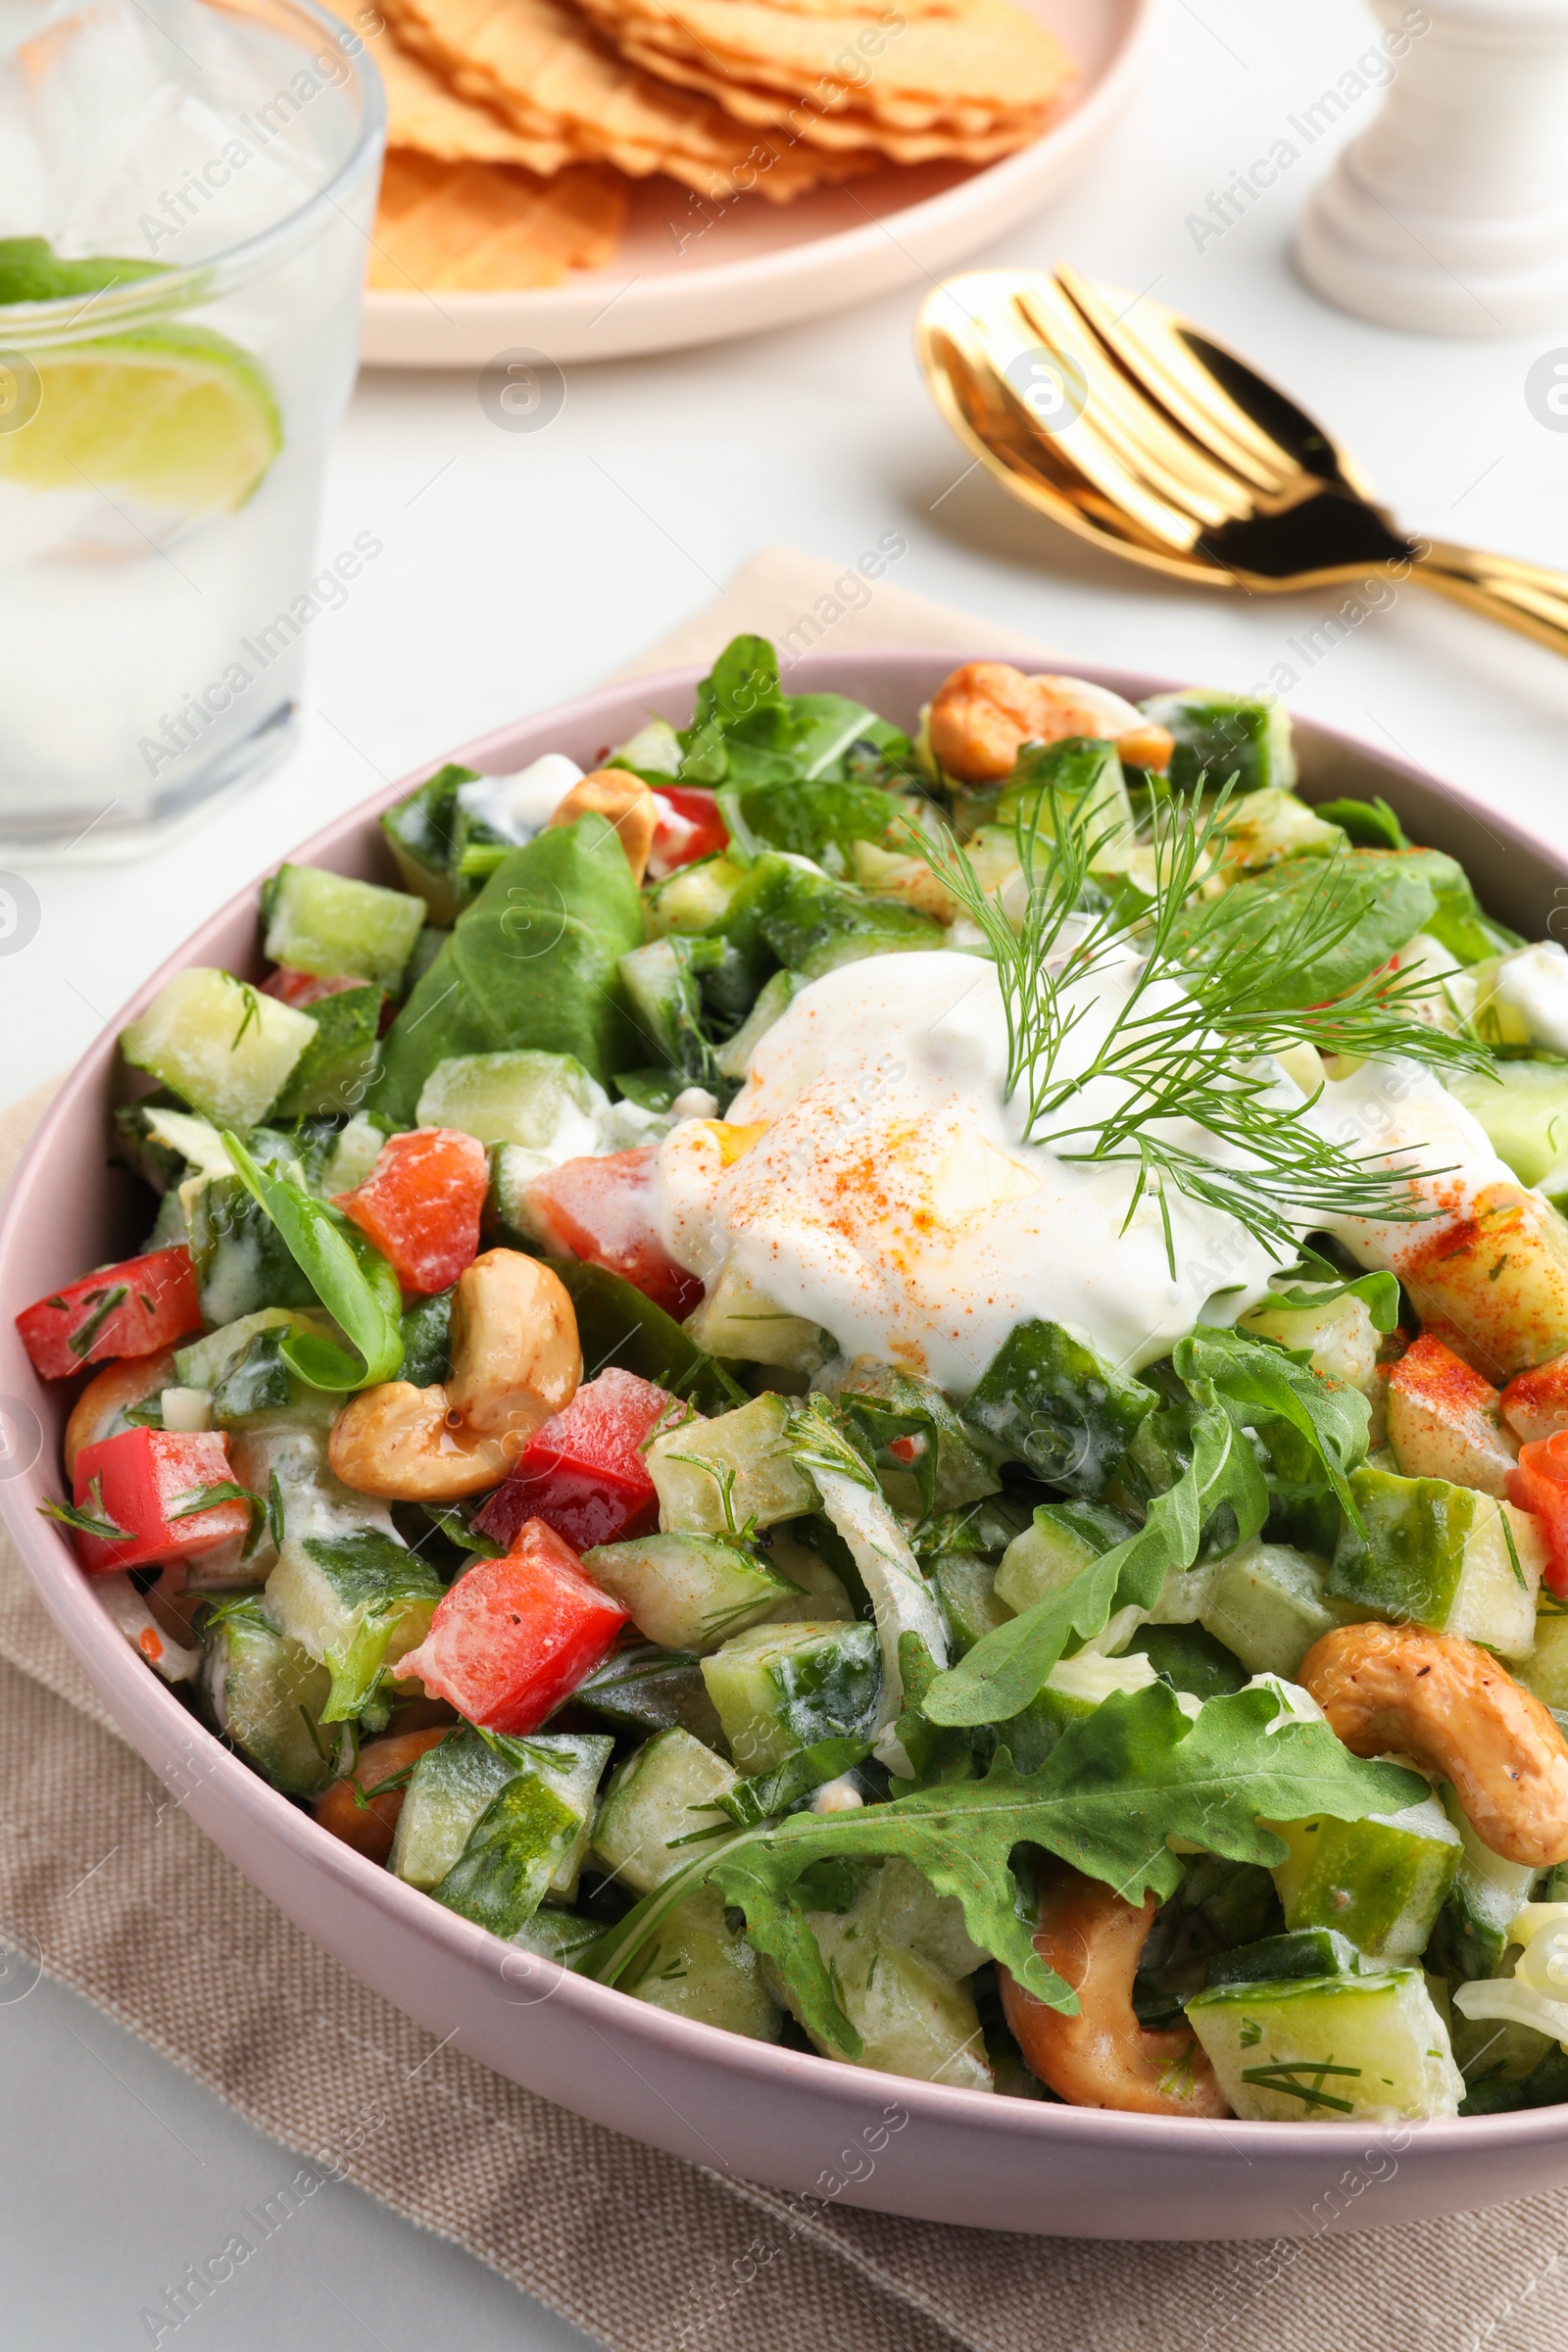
[1124,421]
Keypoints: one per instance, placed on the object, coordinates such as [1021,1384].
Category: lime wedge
[30,271]
[174,415]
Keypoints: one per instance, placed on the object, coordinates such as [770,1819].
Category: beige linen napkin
[106,1885]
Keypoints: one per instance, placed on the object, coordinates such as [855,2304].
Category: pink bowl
[796,2121]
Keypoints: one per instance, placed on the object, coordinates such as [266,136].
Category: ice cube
[159,130]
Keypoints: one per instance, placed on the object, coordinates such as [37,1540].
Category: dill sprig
[1193,1034]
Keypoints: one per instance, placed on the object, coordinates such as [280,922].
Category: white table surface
[517,569]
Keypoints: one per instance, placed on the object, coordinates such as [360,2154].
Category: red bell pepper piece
[150,1481]
[583,1473]
[689,826]
[1539,1483]
[515,1637]
[305,988]
[133,1308]
[603,1210]
[421,1202]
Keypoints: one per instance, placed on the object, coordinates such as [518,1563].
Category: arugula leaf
[1006,1667]
[353,1281]
[1260,1377]
[1378,1292]
[1116,1788]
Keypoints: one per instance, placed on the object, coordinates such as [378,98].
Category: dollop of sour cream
[871,1178]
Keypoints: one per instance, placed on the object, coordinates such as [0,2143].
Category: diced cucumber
[1268,824]
[1219,736]
[1444,1421]
[216,1041]
[290,1449]
[713,1476]
[646,1689]
[545,1104]
[1299,1952]
[660,979]
[698,1966]
[1341,1335]
[243,1262]
[455,1783]
[1082,775]
[654,750]
[352,1155]
[777,994]
[202,1364]
[1487,1895]
[1064,1539]
[557,1934]
[419,832]
[261,1382]
[1381,1880]
[661,1794]
[530,1838]
[193,1142]
[1189,1659]
[356,1600]
[692,897]
[332,925]
[813,924]
[738,1321]
[334,1073]
[1267,1604]
[1523,1107]
[1442,1556]
[1519,1000]
[966,1586]
[1365,2049]
[912,2018]
[893,1408]
[818,1596]
[449,1788]
[1545,1670]
[266,1694]
[1049,1400]
[686,1592]
[1075,1688]
[782,1688]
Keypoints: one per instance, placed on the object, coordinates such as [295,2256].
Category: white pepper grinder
[1450,214]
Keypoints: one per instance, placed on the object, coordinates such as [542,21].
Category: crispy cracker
[841,130]
[965,70]
[425,114]
[471,226]
[539,62]
[422,113]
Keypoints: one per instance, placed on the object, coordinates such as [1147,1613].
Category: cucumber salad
[903,1396]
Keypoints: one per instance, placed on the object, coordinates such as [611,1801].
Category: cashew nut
[1398,1690]
[981,717]
[516,1361]
[369,1824]
[108,1395]
[627,802]
[1104,2057]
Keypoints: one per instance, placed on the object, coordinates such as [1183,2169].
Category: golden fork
[1122,420]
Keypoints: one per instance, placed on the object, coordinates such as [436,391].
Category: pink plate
[690,271]
[742,2107]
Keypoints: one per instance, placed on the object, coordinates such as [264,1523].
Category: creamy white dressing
[1533,983]
[519,807]
[892,1198]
